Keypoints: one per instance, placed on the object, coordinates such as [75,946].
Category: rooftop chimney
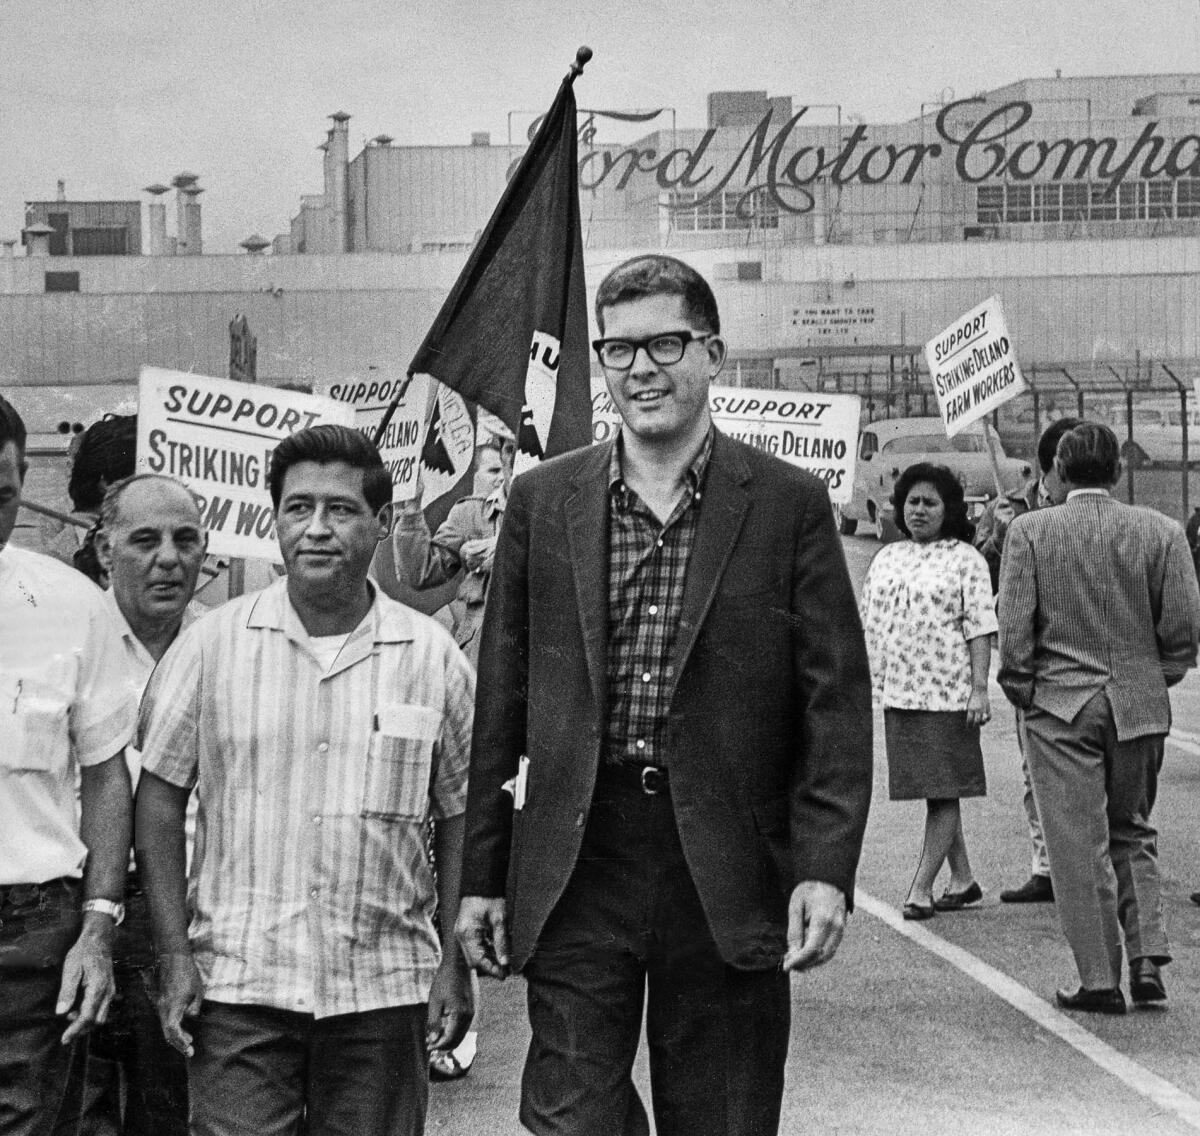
[190,231]
[157,215]
[8,244]
[37,237]
[254,244]
[62,190]
[337,159]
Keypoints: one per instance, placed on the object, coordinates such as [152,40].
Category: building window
[1011,203]
[106,241]
[62,281]
[721,212]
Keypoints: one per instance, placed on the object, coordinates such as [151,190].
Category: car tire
[845,525]
[1134,456]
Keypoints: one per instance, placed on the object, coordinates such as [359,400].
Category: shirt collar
[693,476]
[109,598]
[386,622]
[1090,492]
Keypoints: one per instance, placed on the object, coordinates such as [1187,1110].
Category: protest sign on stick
[217,437]
[817,432]
[401,438]
[974,369]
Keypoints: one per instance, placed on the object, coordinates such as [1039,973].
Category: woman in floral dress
[928,616]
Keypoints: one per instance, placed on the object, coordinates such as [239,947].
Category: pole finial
[581,58]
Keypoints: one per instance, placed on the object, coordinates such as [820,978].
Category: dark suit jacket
[770,719]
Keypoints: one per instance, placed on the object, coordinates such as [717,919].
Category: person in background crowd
[321,722]
[65,714]
[105,455]
[928,615]
[150,544]
[465,543]
[1099,615]
[989,539]
[673,684]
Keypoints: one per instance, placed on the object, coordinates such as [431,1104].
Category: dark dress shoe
[1037,889]
[1092,1001]
[1145,981]
[957,900]
[918,911]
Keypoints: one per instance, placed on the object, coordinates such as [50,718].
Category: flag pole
[582,56]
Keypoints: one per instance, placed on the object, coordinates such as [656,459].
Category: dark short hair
[1089,455]
[1047,445]
[325,444]
[107,454]
[658,275]
[12,427]
[955,524]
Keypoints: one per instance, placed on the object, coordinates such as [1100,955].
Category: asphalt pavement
[948,1027]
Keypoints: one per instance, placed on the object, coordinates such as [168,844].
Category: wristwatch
[106,907]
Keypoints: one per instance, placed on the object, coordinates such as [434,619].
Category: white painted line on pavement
[1157,1089]
[1185,740]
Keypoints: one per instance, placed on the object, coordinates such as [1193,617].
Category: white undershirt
[327,648]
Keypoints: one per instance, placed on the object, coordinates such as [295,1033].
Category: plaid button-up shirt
[311,888]
[647,566]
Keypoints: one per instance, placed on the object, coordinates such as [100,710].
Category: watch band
[106,907]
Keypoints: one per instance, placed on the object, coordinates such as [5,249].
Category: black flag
[512,334]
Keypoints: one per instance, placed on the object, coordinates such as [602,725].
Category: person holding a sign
[990,532]
[928,615]
[1099,616]
[672,764]
[322,724]
[465,542]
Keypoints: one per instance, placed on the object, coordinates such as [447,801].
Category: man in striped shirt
[322,723]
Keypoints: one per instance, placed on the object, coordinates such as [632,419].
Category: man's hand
[477,554]
[482,932]
[451,1002]
[816,920]
[180,995]
[87,986]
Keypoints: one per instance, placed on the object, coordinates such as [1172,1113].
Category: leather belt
[649,779]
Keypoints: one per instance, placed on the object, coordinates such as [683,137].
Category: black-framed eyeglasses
[665,348]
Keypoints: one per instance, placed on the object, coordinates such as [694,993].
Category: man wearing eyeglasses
[673,690]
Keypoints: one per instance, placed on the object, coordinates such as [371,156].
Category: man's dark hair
[1047,445]
[954,524]
[324,444]
[658,275]
[1089,455]
[12,427]
[107,454]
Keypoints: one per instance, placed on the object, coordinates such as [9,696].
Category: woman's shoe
[918,911]
[957,900]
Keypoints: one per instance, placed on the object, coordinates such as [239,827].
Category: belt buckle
[653,780]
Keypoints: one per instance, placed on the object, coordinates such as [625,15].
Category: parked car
[887,448]
[1157,433]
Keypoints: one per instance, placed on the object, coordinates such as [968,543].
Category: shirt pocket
[400,762]
[33,725]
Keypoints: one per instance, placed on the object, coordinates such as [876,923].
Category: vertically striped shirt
[647,565]
[310,886]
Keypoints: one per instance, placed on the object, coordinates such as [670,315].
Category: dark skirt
[932,754]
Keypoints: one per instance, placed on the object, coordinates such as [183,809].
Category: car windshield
[936,444]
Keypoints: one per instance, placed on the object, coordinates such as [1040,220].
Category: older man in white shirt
[150,544]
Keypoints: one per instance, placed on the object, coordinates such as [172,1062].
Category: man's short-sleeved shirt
[311,888]
[64,704]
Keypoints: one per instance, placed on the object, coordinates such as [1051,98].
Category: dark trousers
[39,1076]
[258,1071]
[628,933]
[136,1083]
